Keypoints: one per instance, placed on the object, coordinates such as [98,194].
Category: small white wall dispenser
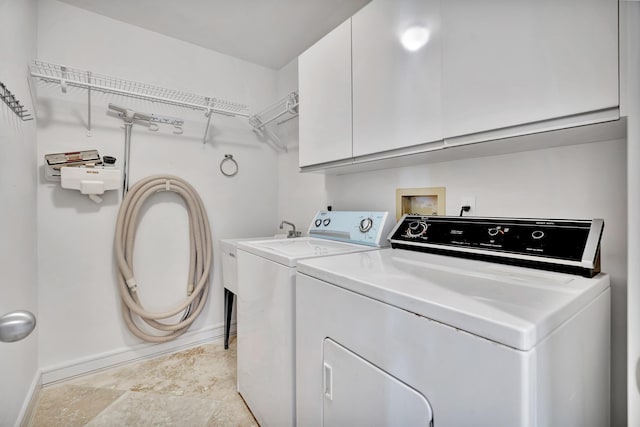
[91,180]
[84,171]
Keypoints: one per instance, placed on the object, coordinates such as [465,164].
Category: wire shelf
[286,105]
[13,103]
[67,76]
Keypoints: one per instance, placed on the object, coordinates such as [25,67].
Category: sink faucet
[293,232]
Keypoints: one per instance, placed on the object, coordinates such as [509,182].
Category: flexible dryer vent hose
[199,266]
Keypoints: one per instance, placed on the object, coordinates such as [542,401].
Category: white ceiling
[266,32]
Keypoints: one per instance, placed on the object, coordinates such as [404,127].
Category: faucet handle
[293,233]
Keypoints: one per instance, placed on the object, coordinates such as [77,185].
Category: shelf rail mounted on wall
[67,76]
[13,103]
[284,109]
[287,105]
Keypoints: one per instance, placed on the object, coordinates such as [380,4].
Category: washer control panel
[540,243]
[365,228]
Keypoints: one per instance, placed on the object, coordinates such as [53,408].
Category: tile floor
[194,387]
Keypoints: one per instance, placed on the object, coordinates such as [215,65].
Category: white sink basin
[288,251]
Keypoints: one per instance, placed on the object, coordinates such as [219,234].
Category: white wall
[79,305]
[18,285]
[301,196]
[580,181]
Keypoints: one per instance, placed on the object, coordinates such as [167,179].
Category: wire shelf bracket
[13,104]
[67,76]
[287,105]
[284,109]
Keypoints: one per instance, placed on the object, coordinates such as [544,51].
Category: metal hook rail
[130,117]
[13,103]
[66,76]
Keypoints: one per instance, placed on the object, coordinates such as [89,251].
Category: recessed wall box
[420,201]
[53,162]
[92,181]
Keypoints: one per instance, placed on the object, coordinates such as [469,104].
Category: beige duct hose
[199,265]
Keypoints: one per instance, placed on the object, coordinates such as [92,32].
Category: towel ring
[233,169]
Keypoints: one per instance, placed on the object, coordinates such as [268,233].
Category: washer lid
[514,306]
[288,251]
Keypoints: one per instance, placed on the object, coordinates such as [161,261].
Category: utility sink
[288,251]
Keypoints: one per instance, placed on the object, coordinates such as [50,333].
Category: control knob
[537,235]
[494,231]
[417,229]
[318,222]
[366,224]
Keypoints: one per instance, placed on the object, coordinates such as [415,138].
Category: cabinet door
[396,90]
[324,82]
[509,62]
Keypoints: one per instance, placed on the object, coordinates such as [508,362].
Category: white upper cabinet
[396,75]
[324,83]
[509,62]
[404,73]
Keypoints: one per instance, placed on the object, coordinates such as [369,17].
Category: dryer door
[358,393]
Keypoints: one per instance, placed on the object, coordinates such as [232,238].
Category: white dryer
[419,335]
[266,305]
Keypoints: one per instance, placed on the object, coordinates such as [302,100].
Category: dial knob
[318,222]
[493,231]
[416,229]
[326,221]
[366,224]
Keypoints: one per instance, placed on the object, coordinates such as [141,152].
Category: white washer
[398,337]
[266,305]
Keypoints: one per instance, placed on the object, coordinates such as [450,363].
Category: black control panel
[561,245]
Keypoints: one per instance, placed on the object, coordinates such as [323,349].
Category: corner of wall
[27,412]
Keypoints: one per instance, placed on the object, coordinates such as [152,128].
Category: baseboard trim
[98,362]
[30,402]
